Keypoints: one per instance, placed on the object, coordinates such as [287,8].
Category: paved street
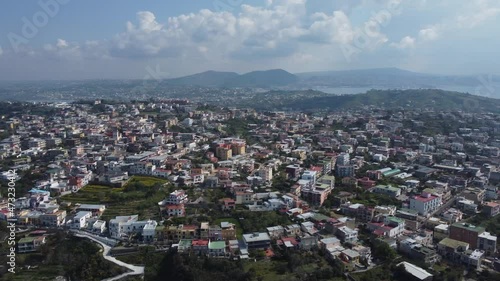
[135,270]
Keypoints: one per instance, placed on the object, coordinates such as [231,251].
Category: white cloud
[278,29]
[334,28]
[147,22]
[482,11]
[473,14]
[61,43]
[407,42]
[429,33]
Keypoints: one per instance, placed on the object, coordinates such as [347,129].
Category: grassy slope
[131,202]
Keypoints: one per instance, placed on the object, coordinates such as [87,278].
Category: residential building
[276,231]
[460,253]
[258,240]
[293,230]
[491,209]
[475,194]
[466,205]
[345,171]
[216,248]
[228,204]
[387,190]
[177,197]
[199,246]
[224,152]
[487,243]
[228,231]
[30,244]
[96,210]
[440,232]
[182,231]
[347,234]
[175,210]
[80,219]
[452,215]
[244,197]
[466,232]
[411,248]
[425,204]
[125,226]
[55,219]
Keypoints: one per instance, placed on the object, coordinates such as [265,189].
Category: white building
[149,230]
[425,204]
[309,176]
[177,197]
[143,168]
[124,226]
[266,173]
[487,242]
[347,234]
[96,226]
[80,219]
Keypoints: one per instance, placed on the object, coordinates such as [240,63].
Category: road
[135,270]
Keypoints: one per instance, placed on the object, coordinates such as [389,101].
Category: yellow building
[223,153]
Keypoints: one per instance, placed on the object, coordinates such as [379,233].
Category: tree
[383,251]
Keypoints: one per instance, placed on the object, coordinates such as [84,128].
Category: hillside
[204,79]
[267,78]
[404,99]
[263,79]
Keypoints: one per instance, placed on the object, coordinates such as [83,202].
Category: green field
[139,196]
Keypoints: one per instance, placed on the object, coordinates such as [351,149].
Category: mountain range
[378,78]
[260,79]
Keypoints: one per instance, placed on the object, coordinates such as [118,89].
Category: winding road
[135,270]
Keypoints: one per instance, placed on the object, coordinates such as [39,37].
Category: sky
[125,39]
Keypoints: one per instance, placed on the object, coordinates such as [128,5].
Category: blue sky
[76,39]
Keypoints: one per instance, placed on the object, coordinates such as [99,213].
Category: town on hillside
[357,194]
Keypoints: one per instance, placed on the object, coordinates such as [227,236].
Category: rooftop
[91,206]
[469,227]
[216,245]
[424,199]
[488,236]
[27,240]
[491,204]
[416,271]
[256,237]
[350,253]
[200,242]
[185,243]
[387,187]
[451,243]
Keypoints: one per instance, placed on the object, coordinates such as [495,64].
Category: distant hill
[400,99]
[386,78]
[263,79]
[205,79]
[274,78]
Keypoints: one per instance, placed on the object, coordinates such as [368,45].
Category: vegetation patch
[139,196]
